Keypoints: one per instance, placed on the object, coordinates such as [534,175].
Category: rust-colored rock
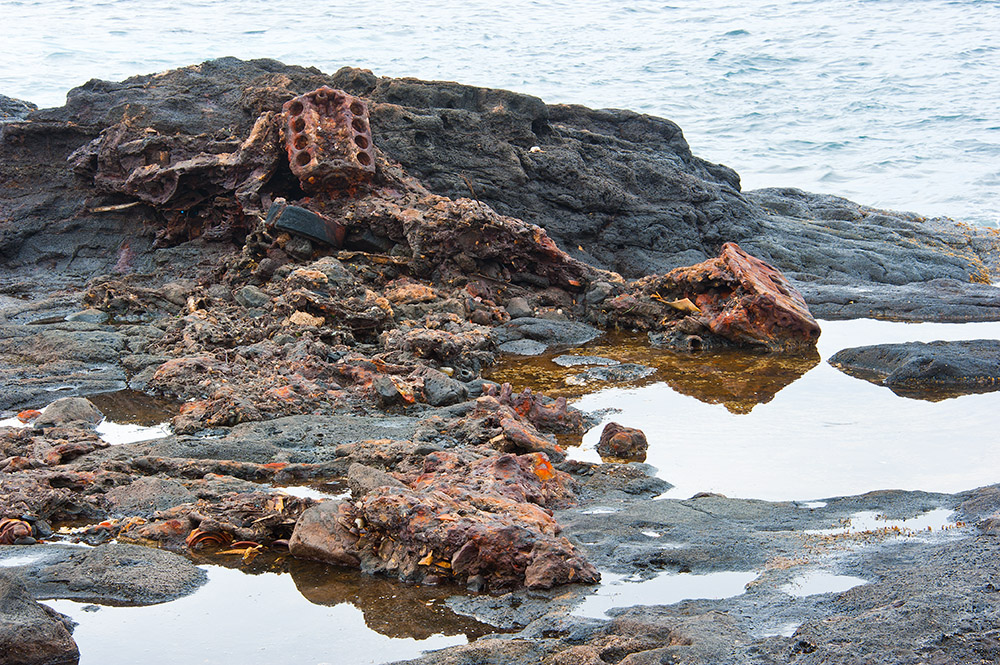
[552,415]
[329,140]
[28,415]
[622,443]
[320,535]
[460,516]
[731,300]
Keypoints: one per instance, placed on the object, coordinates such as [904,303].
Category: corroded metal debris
[13,530]
[303,222]
[329,140]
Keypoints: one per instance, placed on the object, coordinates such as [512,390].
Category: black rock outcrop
[933,370]
[617,189]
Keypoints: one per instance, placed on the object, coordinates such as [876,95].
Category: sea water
[891,103]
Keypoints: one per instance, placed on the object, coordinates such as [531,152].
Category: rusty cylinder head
[329,140]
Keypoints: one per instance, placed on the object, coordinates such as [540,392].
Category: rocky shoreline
[322,306]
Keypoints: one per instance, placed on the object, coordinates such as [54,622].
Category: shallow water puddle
[938,519]
[129,416]
[786,429]
[816,582]
[664,589]
[784,630]
[119,433]
[334,491]
[113,432]
[272,618]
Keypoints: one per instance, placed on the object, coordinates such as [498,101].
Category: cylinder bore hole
[296,108]
[301,142]
[298,125]
[364,158]
[361,142]
[359,125]
[357,108]
[303,158]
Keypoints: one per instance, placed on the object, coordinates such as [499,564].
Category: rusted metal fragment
[14,530]
[329,140]
[257,517]
[180,171]
[306,223]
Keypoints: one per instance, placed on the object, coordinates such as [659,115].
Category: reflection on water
[132,407]
[390,608]
[816,435]
[737,380]
[289,612]
[664,589]
[938,519]
[816,582]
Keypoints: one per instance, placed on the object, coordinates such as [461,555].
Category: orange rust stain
[28,415]
[543,467]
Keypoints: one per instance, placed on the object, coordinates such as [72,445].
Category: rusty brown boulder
[622,443]
[478,520]
[731,300]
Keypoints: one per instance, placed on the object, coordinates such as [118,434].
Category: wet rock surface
[622,443]
[321,302]
[31,633]
[115,573]
[734,299]
[926,370]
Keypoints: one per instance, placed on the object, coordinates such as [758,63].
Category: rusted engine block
[329,140]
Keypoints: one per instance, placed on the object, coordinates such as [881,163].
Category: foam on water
[890,103]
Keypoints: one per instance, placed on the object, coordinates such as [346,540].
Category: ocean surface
[892,103]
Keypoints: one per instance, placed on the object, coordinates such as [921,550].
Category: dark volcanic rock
[114,573]
[69,358]
[933,370]
[532,337]
[68,410]
[942,300]
[615,188]
[14,110]
[442,390]
[30,633]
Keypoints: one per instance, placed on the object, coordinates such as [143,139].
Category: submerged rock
[926,370]
[532,337]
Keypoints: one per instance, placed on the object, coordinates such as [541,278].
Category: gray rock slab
[31,633]
[928,370]
[110,573]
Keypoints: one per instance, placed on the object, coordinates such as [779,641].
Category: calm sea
[894,103]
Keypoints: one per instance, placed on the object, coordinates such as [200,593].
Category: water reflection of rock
[134,407]
[391,609]
[736,379]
